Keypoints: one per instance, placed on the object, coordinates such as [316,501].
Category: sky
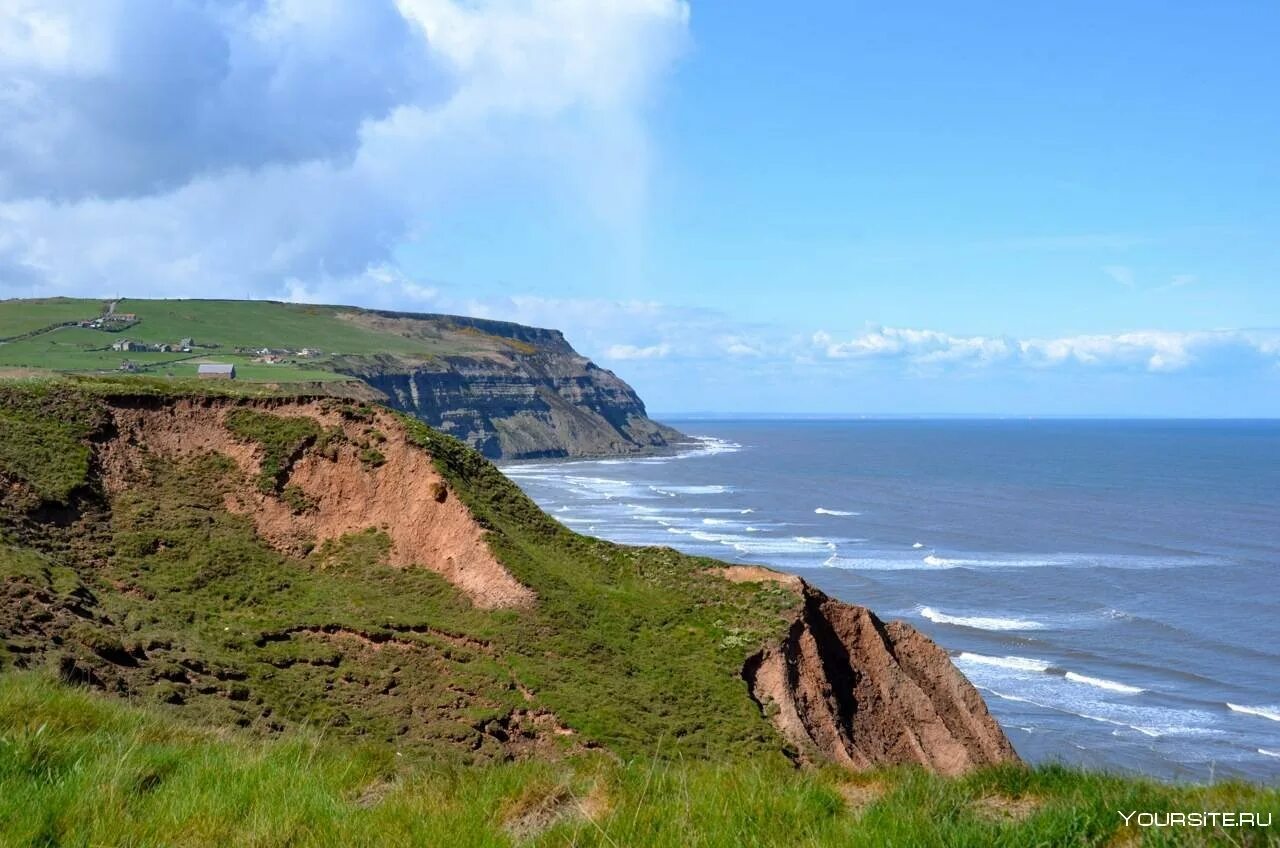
[840,207]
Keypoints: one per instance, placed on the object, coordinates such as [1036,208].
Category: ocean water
[1112,587]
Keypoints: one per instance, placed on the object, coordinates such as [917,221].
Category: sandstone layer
[403,495]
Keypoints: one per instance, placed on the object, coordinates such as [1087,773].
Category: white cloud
[919,346]
[626,351]
[274,147]
[740,346]
[1149,350]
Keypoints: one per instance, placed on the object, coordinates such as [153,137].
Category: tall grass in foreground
[77,769]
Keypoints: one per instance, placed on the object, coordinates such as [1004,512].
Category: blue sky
[847,208]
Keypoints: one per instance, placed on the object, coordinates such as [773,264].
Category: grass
[78,769]
[350,339]
[282,441]
[24,316]
[43,437]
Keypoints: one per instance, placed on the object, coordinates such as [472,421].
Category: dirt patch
[529,734]
[375,641]
[1003,808]
[859,796]
[846,687]
[530,817]
[759,574]
[402,495]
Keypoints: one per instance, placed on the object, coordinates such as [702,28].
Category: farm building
[216,371]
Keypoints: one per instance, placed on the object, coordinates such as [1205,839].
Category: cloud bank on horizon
[299,149]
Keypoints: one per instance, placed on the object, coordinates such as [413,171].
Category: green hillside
[308,343]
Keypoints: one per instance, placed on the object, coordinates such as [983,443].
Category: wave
[815,540]
[1042,667]
[665,521]
[1109,685]
[1264,752]
[1272,713]
[709,446]
[917,546]
[673,491]
[716,521]
[822,510]
[960,562]
[720,538]
[883,563]
[1143,729]
[979,622]
[1013,663]
[796,546]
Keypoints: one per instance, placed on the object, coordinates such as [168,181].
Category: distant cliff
[508,390]
[532,397]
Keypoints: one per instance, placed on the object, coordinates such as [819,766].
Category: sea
[1111,587]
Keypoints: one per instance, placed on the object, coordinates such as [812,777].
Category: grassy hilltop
[45,334]
[173,672]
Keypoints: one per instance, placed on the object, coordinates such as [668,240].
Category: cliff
[846,687]
[534,397]
[271,563]
[508,390]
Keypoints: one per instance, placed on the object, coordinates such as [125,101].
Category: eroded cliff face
[532,397]
[332,492]
[844,686]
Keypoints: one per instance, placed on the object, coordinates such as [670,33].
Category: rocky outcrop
[530,395]
[844,686]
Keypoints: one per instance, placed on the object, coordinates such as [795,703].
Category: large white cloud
[224,147]
[121,98]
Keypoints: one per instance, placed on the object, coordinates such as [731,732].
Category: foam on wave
[822,510]
[1109,685]
[980,622]
[1271,713]
[1013,663]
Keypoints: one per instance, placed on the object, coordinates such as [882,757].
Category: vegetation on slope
[178,601]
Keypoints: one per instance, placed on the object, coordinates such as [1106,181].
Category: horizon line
[972,416]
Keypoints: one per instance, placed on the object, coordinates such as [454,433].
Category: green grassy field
[219,327]
[23,316]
